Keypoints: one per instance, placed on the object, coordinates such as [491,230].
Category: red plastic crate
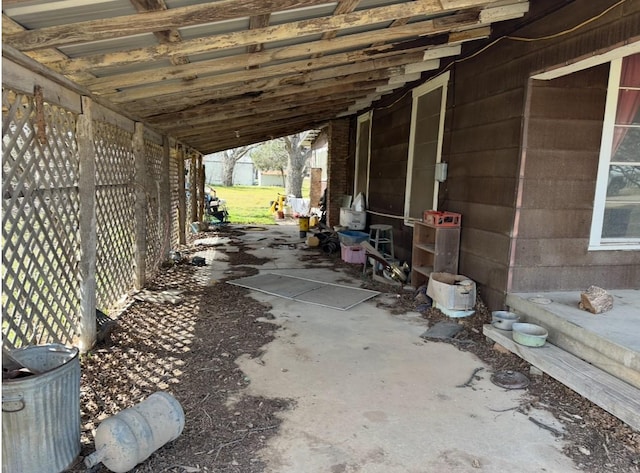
[441,219]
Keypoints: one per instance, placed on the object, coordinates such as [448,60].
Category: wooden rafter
[257,22]
[270,34]
[226,73]
[225,70]
[171,35]
[118,27]
[43,55]
[431,27]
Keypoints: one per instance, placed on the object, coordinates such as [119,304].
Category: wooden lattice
[115,200]
[187,168]
[40,205]
[174,206]
[157,225]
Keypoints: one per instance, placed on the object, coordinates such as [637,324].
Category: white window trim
[363,118]
[596,242]
[440,81]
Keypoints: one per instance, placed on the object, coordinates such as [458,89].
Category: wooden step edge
[606,391]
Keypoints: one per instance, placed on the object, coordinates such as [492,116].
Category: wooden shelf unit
[434,249]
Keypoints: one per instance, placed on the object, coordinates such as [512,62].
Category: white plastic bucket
[41,413]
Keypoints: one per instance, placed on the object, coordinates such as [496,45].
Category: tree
[297,163]
[229,159]
[271,156]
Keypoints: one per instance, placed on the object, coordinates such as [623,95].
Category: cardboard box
[352,219]
[452,291]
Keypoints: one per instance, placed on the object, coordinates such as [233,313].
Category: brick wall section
[338,168]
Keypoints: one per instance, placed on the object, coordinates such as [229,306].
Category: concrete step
[607,391]
[608,341]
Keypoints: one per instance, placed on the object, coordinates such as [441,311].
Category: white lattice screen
[40,296]
[157,224]
[174,202]
[41,234]
[115,174]
[187,168]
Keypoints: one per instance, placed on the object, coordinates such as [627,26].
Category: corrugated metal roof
[219,74]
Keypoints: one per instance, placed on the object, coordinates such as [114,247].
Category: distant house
[271,178]
[319,155]
[244,173]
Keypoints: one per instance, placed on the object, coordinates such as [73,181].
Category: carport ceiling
[221,74]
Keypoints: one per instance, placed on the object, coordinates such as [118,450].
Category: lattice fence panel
[157,225]
[173,183]
[188,206]
[40,226]
[114,213]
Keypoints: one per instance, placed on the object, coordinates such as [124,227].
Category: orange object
[441,219]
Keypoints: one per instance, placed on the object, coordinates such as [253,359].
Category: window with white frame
[363,137]
[425,147]
[616,217]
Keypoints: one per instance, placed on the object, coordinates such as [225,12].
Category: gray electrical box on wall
[441,172]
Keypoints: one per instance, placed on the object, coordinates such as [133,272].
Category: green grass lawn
[250,204]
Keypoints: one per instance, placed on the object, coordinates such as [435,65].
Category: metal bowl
[530,335]
[503,319]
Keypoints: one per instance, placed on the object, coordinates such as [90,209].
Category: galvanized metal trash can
[41,413]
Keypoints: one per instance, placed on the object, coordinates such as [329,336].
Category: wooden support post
[193,186]
[164,199]
[182,200]
[87,324]
[202,190]
[140,207]
[315,191]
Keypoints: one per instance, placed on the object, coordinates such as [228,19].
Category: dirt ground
[188,348]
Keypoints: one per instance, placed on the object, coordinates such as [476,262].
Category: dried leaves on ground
[188,350]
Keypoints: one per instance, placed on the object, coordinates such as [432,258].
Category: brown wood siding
[388,171]
[550,251]
[484,129]
[483,148]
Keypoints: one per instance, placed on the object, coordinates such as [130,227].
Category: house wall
[390,129]
[340,165]
[243,172]
[271,179]
[507,243]
[492,144]
[561,154]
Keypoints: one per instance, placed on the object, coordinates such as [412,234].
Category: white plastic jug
[132,435]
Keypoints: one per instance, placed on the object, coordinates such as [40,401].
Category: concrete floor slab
[371,396]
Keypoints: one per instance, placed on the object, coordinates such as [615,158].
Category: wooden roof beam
[288,98]
[241,108]
[226,116]
[344,6]
[285,97]
[432,37]
[300,82]
[257,122]
[44,56]
[279,33]
[209,142]
[257,22]
[171,35]
[218,80]
[121,26]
